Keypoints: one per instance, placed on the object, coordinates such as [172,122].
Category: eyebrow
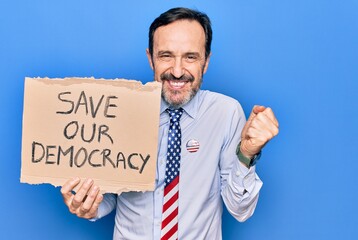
[164,52]
[185,54]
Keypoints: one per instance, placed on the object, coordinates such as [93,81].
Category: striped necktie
[171,189]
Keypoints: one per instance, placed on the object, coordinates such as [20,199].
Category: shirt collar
[191,108]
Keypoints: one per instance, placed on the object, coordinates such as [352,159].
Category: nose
[178,68]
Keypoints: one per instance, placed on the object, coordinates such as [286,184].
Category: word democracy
[56,155]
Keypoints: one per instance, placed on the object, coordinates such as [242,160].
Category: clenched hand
[260,128]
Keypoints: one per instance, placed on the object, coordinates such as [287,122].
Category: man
[213,130]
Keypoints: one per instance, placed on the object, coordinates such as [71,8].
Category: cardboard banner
[106,130]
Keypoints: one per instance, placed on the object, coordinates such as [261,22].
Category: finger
[82,193]
[257,108]
[269,122]
[259,136]
[269,113]
[264,125]
[90,199]
[67,188]
[93,211]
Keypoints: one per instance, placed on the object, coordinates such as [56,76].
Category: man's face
[179,60]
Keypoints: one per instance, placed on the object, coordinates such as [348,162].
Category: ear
[149,58]
[206,64]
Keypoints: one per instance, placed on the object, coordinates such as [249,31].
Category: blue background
[299,57]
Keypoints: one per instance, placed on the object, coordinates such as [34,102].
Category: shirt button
[238,173]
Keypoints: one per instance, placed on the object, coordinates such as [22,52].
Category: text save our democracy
[56,155]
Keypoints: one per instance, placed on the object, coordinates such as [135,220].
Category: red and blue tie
[171,190]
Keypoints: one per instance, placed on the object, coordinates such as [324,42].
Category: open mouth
[177,84]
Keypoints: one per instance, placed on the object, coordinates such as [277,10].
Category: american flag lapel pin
[192,145]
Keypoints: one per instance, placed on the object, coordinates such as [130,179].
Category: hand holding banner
[106,130]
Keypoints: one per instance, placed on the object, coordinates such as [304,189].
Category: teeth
[177,83]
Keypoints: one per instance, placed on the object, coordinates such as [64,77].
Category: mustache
[171,77]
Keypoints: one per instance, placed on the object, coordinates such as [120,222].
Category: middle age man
[212,125]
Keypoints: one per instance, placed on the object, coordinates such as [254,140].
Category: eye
[166,57]
[191,58]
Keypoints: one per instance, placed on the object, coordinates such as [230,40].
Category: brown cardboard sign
[106,130]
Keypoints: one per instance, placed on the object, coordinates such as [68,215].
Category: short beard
[184,101]
[187,98]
